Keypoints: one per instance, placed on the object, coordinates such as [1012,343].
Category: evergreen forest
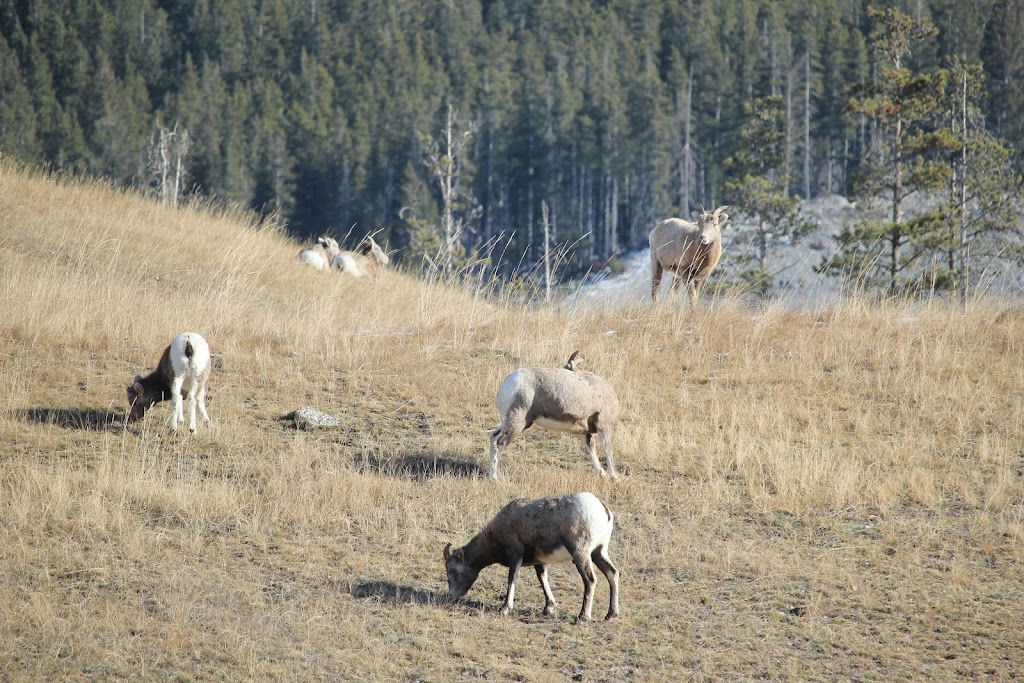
[452,128]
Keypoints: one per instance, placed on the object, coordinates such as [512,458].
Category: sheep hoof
[581,619]
[548,611]
[611,615]
[504,610]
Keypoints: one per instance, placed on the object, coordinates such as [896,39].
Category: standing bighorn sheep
[559,399]
[184,368]
[366,260]
[576,526]
[322,254]
[687,250]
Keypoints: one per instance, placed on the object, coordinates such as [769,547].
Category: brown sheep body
[688,250]
[574,527]
[558,399]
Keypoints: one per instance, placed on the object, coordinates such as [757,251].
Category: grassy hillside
[826,495]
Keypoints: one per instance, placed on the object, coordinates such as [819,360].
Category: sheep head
[372,250]
[710,223]
[461,576]
[139,400]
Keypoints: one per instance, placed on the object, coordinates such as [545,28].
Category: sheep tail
[189,351]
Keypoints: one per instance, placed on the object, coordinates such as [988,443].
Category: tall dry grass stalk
[833,493]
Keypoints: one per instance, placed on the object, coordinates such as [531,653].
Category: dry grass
[827,495]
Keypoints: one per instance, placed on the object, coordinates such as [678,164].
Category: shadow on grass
[418,466]
[386,591]
[89,419]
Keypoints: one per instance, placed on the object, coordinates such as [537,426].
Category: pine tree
[444,158]
[757,186]
[18,120]
[902,104]
[983,186]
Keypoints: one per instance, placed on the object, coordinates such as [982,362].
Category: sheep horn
[721,209]
[447,552]
[569,365]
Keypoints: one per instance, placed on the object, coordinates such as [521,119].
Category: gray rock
[309,419]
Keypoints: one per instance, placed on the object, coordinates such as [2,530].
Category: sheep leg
[591,449]
[190,401]
[176,408]
[510,596]
[501,437]
[676,283]
[202,403]
[694,287]
[656,272]
[604,563]
[606,446]
[549,597]
[586,570]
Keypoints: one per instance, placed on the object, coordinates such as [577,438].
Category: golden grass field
[832,494]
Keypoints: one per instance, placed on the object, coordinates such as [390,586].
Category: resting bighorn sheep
[559,399]
[576,526]
[687,250]
[366,260]
[322,254]
[183,369]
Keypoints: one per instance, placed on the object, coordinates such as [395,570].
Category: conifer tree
[904,106]
[757,186]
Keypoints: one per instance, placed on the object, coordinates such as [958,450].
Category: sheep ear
[722,219]
[137,387]
[447,552]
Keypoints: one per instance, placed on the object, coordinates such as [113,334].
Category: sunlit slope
[830,494]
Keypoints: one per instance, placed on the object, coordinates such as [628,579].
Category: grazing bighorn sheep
[687,250]
[183,369]
[559,399]
[576,526]
[366,260]
[322,254]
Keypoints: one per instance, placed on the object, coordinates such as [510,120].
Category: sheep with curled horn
[181,376]
[366,261]
[689,250]
[564,399]
[575,527]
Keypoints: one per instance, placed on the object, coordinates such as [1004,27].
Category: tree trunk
[807,124]
[965,247]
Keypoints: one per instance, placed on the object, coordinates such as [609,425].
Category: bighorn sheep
[576,526]
[687,250]
[183,369]
[322,254]
[559,399]
[365,261]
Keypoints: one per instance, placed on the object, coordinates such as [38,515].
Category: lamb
[688,250]
[322,254]
[184,369]
[367,260]
[575,526]
[564,400]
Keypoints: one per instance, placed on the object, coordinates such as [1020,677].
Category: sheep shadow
[418,466]
[385,591]
[88,419]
